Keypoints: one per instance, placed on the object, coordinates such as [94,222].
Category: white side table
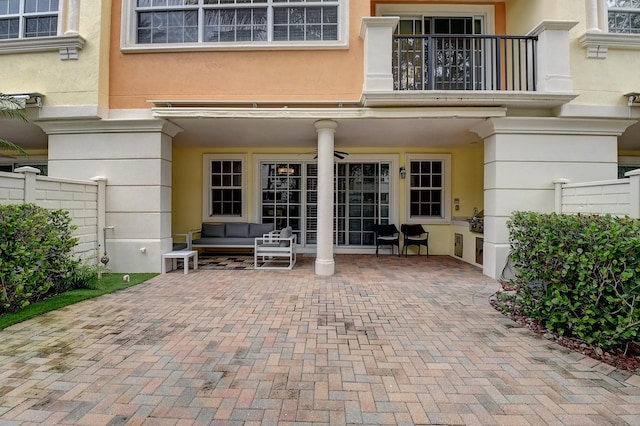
[180,254]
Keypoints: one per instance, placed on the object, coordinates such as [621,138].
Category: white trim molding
[598,43]
[68,45]
[67,41]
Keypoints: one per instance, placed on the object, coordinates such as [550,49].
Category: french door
[443,58]
[361,199]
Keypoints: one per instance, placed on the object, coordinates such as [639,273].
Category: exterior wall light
[403,172]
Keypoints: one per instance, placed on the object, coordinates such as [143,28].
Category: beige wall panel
[604,82]
[125,255]
[138,225]
[503,202]
[118,172]
[106,145]
[71,82]
[540,175]
[495,229]
[138,199]
[552,148]
[495,258]
[523,15]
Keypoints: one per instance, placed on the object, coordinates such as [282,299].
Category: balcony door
[449,60]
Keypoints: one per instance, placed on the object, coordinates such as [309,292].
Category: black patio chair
[387,235]
[414,235]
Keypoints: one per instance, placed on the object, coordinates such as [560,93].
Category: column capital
[325,124]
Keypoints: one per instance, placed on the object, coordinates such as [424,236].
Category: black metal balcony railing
[464,62]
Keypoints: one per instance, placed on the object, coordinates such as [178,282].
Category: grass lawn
[108,284]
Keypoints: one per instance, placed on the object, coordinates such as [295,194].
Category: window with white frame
[152,25]
[224,185]
[624,16]
[428,188]
[223,21]
[28,18]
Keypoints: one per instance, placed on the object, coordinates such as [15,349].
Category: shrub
[579,275]
[35,254]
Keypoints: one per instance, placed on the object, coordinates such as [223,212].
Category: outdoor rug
[209,262]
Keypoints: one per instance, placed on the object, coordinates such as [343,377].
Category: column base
[325,267]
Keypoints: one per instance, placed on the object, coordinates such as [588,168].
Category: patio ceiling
[299,132]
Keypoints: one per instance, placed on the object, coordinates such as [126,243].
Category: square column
[522,159]
[134,156]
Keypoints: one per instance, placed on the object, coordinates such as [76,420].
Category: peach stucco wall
[333,74]
[254,75]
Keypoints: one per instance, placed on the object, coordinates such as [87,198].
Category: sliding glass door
[289,197]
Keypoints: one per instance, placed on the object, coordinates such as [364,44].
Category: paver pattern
[385,340]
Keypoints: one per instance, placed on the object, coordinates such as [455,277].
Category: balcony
[462,62]
[521,71]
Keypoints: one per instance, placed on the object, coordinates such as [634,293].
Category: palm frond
[11,107]
[6,145]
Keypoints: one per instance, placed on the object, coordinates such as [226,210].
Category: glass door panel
[281,187]
[361,199]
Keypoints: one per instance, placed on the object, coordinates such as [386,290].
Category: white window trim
[206,186]
[67,42]
[487,12]
[128,37]
[446,194]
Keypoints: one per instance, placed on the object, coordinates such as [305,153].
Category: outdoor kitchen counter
[461,226]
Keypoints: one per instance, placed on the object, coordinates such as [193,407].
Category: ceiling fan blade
[7,156]
[338,154]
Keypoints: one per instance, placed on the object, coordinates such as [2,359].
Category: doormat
[225,262]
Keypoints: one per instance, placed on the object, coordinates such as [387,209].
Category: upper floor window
[239,21]
[28,18]
[624,16]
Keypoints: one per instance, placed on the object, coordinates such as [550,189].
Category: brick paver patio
[386,340]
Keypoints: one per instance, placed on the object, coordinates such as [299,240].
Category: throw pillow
[212,230]
[259,229]
[238,230]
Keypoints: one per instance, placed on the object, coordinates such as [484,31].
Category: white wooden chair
[275,250]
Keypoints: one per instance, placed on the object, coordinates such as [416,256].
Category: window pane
[8,28]
[624,16]
[426,188]
[232,20]
[226,188]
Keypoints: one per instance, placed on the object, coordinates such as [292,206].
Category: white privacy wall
[79,198]
[609,197]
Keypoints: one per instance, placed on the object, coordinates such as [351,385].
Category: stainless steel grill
[477,225]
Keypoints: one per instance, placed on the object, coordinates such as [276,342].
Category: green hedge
[579,275]
[36,258]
